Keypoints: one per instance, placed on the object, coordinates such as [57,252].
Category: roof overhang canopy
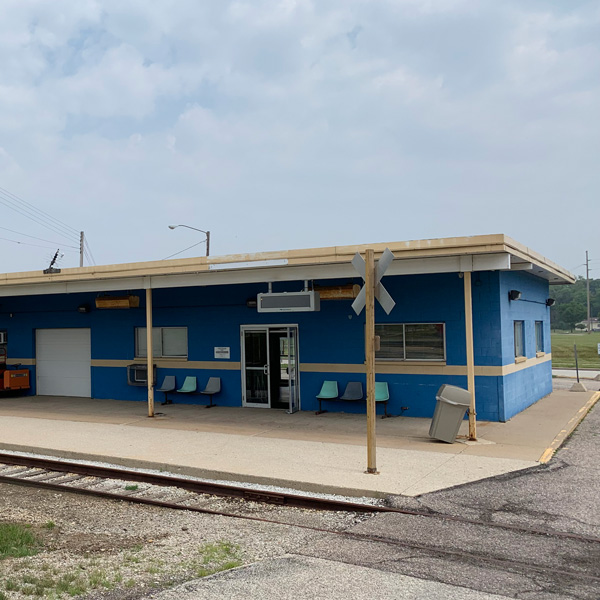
[445,255]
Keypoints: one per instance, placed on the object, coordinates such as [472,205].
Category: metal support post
[470,354]
[370,359]
[150,353]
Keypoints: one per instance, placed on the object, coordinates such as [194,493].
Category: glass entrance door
[270,367]
[255,345]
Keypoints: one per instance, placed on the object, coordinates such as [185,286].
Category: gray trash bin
[452,403]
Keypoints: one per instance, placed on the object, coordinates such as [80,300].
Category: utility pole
[81,240]
[587,285]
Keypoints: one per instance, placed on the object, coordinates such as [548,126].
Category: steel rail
[232,491]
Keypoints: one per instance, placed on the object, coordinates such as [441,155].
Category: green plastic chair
[382,394]
[189,386]
[329,391]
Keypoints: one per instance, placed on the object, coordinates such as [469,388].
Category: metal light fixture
[550,302]
[514,295]
[207,233]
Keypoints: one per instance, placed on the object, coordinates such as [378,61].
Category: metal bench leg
[167,401]
[320,411]
[210,405]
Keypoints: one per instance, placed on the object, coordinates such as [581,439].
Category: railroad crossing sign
[386,301]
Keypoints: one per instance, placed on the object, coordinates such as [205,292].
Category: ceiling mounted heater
[308,301]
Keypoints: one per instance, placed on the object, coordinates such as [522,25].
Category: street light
[207,233]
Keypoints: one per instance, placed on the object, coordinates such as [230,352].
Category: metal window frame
[539,324]
[162,354]
[433,360]
[522,337]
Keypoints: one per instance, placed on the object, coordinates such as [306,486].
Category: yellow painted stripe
[21,361]
[172,364]
[399,368]
[571,425]
[423,368]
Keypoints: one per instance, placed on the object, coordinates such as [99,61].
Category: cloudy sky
[296,123]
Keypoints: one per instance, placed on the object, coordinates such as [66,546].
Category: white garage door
[63,362]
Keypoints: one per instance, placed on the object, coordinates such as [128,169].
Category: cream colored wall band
[173,364]
[399,368]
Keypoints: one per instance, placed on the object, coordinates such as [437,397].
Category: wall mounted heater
[289,302]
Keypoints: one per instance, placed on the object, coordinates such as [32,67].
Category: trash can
[452,403]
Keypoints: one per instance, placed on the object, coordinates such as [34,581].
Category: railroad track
[90,479]
[194,495]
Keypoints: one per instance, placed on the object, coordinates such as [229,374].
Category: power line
[35,238]
[85,242]
[42,218]
[182,251]
[33,208]
[26,243]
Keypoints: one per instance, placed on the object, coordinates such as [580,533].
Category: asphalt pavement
[408,557]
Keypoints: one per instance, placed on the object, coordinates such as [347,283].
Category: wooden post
[150,353]
[470,354]
[370,359]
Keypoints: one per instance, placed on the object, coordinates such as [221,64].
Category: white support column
[150,352]
[470,353]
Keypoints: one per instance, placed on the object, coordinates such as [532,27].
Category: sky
[296,123]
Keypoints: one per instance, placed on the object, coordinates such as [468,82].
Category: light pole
[207,233]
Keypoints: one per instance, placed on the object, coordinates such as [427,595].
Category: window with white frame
[411,341]
[539,336]
[167,342]
[519,339]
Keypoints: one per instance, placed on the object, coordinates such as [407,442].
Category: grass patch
[132,488]
[17,540]
[50,525]
[215,557]
[587,350]
[71,584]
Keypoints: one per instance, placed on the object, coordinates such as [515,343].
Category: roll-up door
[63,362]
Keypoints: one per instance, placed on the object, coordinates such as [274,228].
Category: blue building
[83,332]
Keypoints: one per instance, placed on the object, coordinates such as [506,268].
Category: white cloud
[250,118]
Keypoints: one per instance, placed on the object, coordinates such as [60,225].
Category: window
[519,339]
[167,342]
[411,341]
[539,336]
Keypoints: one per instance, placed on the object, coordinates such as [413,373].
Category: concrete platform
[303,451]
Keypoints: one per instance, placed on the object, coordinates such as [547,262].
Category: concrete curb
[199,473]
[570,427]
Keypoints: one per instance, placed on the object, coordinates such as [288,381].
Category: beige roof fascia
[416,249]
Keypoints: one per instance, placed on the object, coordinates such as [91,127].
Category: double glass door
[270,366]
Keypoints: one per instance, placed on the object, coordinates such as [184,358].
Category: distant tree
[571,303]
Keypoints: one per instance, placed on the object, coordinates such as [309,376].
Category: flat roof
[442,255]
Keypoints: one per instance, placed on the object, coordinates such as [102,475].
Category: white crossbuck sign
[386,301]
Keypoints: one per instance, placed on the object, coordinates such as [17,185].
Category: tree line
[571,303]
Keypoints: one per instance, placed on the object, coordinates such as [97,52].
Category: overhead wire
[35,213]
[27,243]
[182,251]
[41,217]
[37,238]
[86,245]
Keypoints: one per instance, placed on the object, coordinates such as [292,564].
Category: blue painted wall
[213,316]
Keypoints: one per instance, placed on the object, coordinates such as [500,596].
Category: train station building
[273,327]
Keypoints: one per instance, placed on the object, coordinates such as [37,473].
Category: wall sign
[222,352]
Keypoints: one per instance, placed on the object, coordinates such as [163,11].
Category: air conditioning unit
[137,374]
[289,302]
[3,337]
